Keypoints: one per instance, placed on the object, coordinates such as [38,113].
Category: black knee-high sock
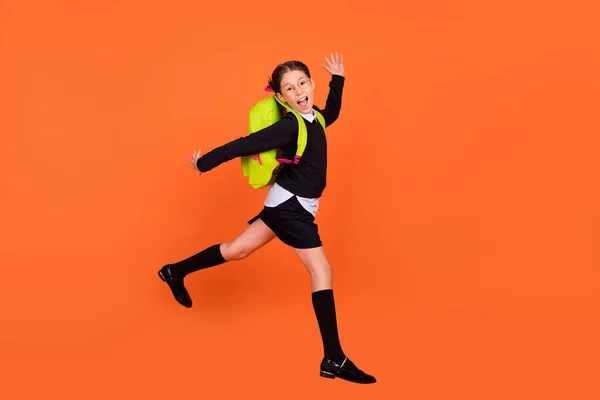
[324,306]
[209,257]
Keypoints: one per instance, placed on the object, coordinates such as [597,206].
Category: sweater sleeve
[272,137]
[333,105]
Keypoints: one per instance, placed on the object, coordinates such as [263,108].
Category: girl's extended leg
[321,279]
[254,237]
[335,363]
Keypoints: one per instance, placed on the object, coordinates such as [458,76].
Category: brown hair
[281,69]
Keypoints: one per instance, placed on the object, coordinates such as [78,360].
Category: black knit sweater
[308,178]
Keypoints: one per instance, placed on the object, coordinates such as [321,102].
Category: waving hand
[335,64]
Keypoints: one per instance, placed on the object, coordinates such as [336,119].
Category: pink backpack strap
[282,161]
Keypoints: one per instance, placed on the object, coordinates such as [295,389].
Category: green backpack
[261,169]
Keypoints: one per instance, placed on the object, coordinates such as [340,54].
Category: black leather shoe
[177,288]
[346,370]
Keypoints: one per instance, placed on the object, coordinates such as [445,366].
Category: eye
[288,90]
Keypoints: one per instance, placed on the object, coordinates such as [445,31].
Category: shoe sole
[329,375]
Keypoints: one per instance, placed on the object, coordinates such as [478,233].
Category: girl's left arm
[333,104]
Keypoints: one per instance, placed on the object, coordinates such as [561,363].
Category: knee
[232,252]
[320,270]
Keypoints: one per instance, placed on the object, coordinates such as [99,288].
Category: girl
[290,206]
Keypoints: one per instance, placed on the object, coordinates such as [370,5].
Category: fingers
[194,160]
[337,59]
[327,67]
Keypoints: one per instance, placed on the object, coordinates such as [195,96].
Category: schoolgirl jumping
[291,203]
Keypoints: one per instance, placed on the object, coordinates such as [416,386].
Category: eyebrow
[290,83]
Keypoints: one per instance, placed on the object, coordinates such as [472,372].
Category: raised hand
[194,161]
[335,64]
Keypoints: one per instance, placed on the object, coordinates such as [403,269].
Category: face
[297,90]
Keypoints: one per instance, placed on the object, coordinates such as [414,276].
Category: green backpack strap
[302,134]
[321,119]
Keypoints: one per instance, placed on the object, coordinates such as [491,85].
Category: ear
[280,97]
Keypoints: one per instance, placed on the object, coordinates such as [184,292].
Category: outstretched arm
[275,136]
[333,105]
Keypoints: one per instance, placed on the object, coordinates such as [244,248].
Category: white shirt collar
[309,117]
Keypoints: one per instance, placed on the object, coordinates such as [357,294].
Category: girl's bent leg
[254,237]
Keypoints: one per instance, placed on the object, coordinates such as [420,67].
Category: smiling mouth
[303,101]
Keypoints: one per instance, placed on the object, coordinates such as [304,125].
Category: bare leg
[318,266]
[254,237]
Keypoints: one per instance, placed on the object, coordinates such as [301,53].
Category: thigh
[255,236]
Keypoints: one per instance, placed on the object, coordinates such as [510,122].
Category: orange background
[466,262]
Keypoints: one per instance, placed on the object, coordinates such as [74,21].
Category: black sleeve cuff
[200,166]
